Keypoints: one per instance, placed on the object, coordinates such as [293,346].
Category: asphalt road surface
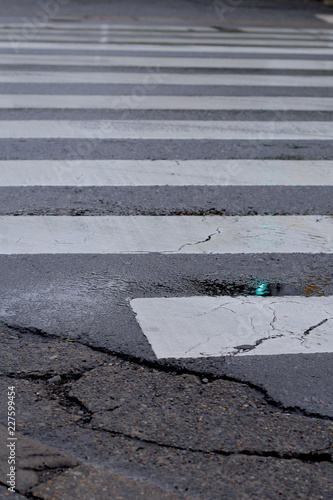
[166,253]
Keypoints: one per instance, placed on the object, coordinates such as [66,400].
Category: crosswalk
[144,169]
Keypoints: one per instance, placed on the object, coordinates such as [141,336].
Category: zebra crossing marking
[195,327]
[166,130]
[166,62]
[154,78]
[183,326]
[165,234]
[166,172]
[178,102]
[328,18]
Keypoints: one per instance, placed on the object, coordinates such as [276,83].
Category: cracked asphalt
[175,434]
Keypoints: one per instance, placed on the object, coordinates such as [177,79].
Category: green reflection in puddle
[262,289]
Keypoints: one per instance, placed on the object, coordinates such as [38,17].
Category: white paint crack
[246,347]
[314,326]
[202,343]
[274,317]
[250,347]
[309,330]
[209,237]
[221,306]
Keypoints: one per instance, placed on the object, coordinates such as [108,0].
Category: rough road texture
[141,431]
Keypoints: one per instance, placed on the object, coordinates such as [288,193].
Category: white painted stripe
[154,78]
[112,43]
[166,62]
[165,129]
[328,18]
[195,327]
[174,234]
[36,101]
[166,172]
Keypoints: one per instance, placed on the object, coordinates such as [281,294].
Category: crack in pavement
[250,347]
[203,342]
[209,237]
[314,457]
[309,330]
[158,365]
[211,311]
[313,327]
[246,348]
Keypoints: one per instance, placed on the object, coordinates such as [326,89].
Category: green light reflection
[262,289]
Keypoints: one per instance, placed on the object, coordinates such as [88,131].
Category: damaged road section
[121,428]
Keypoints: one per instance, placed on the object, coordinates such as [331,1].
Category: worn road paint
[165,130]
[165,234]
[179,102]
[194,327]
[166,173]
[166,62]
[152,79]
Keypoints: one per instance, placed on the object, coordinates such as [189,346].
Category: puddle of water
[252,287]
